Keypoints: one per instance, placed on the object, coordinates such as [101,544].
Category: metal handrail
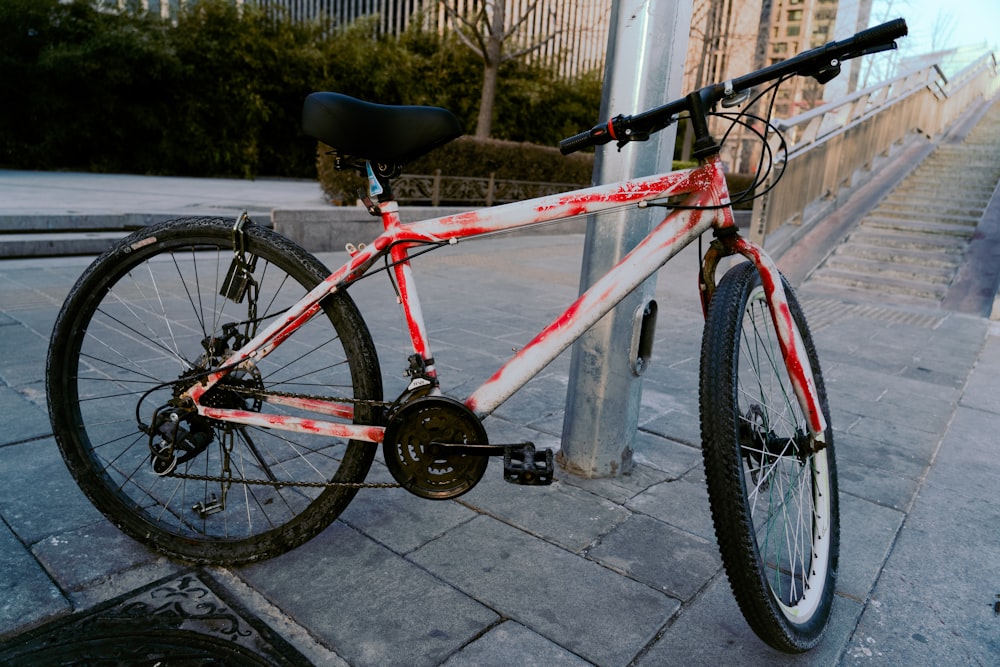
[828,145]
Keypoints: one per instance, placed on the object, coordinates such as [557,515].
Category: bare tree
[943,33]
[882,66]
[487,34]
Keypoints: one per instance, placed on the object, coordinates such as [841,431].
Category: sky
[937,24]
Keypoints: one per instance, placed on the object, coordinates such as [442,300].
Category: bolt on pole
[647,44]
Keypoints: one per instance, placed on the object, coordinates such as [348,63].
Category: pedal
[523,465]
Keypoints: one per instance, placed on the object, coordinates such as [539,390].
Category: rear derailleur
[177,435]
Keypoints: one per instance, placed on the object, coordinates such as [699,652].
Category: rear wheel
[774,501]
[142,324]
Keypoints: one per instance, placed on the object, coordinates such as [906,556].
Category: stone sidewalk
[606,572]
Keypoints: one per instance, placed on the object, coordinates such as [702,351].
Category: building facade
[572,34]
[733,37]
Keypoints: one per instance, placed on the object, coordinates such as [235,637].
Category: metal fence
[438,190]
[571,34]
[828,145]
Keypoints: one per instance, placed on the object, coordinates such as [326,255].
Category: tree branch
[479,45]
[517,24]
[528,49]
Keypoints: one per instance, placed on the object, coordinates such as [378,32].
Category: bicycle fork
[728,242]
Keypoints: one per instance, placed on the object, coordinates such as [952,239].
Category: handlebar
[822,63]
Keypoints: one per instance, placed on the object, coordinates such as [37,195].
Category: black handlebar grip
[880,35]
[576,143]
[595,136]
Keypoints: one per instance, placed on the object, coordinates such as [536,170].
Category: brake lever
[827,72]
[891,46]
[632,136]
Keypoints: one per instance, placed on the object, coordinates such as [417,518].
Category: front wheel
[148,319]
[774,500]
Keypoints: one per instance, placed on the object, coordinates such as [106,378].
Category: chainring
[427,469]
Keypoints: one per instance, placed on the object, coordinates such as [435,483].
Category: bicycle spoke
[135,332]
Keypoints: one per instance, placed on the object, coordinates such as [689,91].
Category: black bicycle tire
[727,479]
[63,358]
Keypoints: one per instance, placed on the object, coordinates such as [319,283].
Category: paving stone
[397,518]
[880,454]
[980,391]
[39,496]
[848,345]
[969,459]
[867,534]
[572,601]
[96,552]
[917,443]
[671,412]
[876,485]
[851,388]
[502,431]
[23,418]
[618,489]
[559,513]
[368,604]
[674,458]
[28,596]
[541,400]
[659,555]
[682,503]
[28,365]
[711,631]
[935,599]
[920,405]
[511,643]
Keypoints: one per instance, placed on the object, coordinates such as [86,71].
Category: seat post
[379,187]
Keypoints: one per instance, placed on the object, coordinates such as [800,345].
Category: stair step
[931,186]
[938,275]
[57,244]
[952,165]
[942,210]
[901,240]
[923,227]
[882,285]
[916,256]
[918,200]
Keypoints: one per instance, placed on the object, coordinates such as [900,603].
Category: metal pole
[647,44]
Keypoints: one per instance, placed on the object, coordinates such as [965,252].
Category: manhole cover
[177,622]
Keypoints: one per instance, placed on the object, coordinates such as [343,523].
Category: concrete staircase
[913,243]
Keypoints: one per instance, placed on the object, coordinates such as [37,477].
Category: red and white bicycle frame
[701,191]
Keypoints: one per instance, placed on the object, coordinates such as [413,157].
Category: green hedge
[468,156]
[220,91]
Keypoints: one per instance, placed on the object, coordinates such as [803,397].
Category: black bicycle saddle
[379,133]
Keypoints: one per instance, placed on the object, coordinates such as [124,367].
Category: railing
[827,145]
[438,190]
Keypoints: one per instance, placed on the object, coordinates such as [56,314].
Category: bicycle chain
[278,484]
[257,393]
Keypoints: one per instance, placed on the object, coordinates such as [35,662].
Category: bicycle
[216,451]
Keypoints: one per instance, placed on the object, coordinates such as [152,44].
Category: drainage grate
[178,621]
